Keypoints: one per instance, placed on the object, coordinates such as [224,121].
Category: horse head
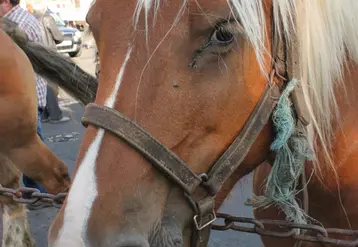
[179,83]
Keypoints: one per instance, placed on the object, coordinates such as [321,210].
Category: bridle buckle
[200,226]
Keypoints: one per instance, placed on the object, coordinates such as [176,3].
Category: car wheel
[75,54]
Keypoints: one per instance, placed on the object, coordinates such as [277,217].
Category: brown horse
[119,199]
[21,149]
[19,142]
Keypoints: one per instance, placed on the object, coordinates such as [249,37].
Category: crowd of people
[40,27]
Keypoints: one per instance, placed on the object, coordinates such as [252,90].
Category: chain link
[33,197]
[318,233]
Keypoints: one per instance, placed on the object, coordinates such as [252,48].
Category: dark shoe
[44,120]
[62,120]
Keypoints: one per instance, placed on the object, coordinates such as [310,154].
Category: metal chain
[319,234]
[33,196]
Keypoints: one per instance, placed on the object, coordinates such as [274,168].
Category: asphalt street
[65,138]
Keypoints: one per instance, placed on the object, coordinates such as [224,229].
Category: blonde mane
[327,34]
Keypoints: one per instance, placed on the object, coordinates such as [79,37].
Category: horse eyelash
[209,44]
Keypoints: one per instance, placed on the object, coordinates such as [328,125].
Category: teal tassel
[292,150]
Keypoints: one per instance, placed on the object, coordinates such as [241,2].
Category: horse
[192,96]
[186,80]
[21,149]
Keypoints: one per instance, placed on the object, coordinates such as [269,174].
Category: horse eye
[222,35]
[220,42]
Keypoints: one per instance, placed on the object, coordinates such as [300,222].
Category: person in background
[52,35]
[11,9]
[70,24]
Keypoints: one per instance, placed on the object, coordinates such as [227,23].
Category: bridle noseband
[200,190]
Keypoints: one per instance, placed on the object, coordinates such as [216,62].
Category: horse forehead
[200,7]
[209,5]
[203,13]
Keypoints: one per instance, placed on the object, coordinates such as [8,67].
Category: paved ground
[64,139]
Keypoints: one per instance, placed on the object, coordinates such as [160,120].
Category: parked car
[72,43]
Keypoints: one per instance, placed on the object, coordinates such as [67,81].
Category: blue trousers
[28,182]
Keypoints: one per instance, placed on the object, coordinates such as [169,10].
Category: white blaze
[84,187]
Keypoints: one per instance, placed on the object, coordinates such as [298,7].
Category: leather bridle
[200,190]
